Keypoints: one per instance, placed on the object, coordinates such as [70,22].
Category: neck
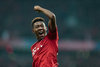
[39,39]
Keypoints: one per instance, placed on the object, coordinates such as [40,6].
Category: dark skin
[40,30]
[39,27]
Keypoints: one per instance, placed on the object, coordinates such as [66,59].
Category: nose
[40,28]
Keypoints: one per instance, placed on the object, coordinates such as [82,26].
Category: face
[40,30]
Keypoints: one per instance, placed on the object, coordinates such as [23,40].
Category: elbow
[53,16]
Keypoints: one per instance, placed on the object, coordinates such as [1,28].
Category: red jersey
[44,52]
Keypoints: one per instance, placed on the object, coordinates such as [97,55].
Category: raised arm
[52,19]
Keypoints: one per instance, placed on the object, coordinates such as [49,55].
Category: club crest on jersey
[35,49]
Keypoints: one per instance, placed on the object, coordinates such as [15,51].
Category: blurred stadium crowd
[78,26]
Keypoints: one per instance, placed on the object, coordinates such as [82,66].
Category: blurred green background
[78,24]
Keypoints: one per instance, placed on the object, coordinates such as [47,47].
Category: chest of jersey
[43,49]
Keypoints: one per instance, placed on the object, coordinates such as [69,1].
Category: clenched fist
[37,8]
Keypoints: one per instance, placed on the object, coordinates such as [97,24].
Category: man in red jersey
[44,51]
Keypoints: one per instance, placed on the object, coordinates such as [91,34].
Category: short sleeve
[53,35]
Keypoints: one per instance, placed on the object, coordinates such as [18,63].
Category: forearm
[48,13]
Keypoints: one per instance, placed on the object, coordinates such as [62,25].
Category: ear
[32,30]
[46,28]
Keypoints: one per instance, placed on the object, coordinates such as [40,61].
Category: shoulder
[33,45]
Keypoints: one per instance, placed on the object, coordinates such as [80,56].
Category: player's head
[39,28]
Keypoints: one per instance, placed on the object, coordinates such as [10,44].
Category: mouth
[41,33]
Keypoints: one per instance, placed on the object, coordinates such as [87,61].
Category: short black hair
[37,19]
